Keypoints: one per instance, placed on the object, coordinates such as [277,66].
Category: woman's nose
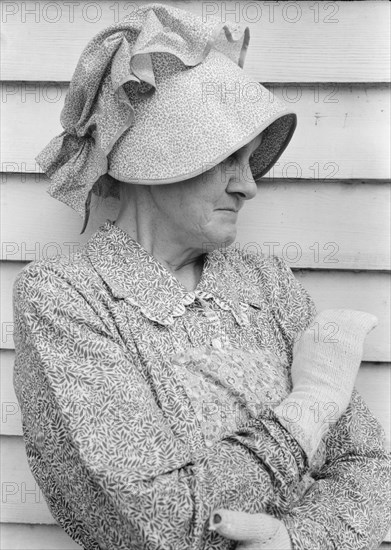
[241,181]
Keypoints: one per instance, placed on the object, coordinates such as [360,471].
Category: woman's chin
[223,238]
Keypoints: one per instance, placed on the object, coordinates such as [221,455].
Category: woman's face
[202,212]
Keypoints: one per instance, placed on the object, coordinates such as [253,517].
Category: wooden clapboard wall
[324,208]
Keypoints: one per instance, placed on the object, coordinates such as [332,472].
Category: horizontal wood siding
[22,499]
[373,382]
[50,537]
[297,42]
[309,223]
[35,537]
[329,289]
[334,138]
[325,207]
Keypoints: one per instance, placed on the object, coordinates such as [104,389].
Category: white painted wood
[11,421]
[290,42]
[330,289]
[35,537]
[373,382]
[318,225]
[22,500]
[313,225]
[362,291]
[51,537]
[342,133]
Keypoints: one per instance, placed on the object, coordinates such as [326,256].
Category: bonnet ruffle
[97,109]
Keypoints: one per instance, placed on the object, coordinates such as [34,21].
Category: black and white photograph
[195,275]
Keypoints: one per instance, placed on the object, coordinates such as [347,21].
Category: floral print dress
[146,406]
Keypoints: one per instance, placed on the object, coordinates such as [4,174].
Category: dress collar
[135,275]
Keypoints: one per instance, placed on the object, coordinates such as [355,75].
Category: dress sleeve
[348,506]
[86,405]
[292,306]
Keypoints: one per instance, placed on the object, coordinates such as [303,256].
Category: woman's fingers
[238,525]
[254,531]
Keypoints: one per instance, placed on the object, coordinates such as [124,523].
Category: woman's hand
[254,531]
[324,370]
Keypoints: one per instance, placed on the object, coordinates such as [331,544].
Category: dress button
[216,343]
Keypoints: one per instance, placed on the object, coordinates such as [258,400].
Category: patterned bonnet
[159,98]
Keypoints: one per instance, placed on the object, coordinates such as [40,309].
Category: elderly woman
[154,368]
